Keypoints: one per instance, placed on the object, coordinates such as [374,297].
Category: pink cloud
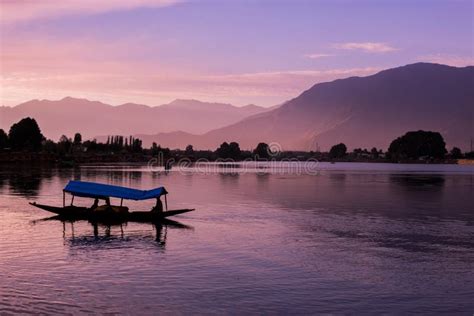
[317,56]
[21,10]
[369,47]
[42,67]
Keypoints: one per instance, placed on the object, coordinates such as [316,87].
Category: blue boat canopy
[102,191]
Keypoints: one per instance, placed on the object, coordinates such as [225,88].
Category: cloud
[447,59]
[369,47]
[22,10]
[271,76]
[35,53]
[317,56]
[43,67]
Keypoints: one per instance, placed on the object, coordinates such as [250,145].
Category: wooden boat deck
[77,212]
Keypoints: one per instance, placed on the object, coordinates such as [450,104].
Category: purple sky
[240,52]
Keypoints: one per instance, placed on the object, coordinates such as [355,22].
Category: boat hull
[78,213]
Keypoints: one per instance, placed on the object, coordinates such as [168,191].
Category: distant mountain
[92,118]
[360,112]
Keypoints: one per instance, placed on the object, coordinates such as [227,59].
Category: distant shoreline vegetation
[25,143]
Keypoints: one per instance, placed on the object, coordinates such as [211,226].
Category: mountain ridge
[70,115]
[359,111]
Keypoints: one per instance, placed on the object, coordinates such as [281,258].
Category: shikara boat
[99,191]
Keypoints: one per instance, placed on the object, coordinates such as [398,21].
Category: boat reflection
[109,234]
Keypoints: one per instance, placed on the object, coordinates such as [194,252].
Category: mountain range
[91,118]
[358,111]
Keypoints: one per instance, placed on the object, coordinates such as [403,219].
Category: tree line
[413,145]
[26,135]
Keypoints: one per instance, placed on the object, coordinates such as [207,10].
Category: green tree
[136,145]
[455,153]
[223,151]
[374,152]
[64,144]
[3,139]
[50,146]
[262,151]
[414,145]
[25,135]
[338,151]
[189,151]
[77,139]
[234,151]
[155,149]
[229,151]
[93,146]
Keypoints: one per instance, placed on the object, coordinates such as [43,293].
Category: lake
[265,238]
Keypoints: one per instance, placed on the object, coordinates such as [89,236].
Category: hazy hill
[92,118]
[359,111]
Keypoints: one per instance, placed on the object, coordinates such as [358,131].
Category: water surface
[351,238]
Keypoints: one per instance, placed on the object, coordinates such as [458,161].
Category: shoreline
[31,158]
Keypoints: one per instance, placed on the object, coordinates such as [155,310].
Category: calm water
[353,238]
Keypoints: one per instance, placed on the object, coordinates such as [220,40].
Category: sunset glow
[248,157]
[152,51]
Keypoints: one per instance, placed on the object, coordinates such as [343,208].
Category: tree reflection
[417,180]
[26,181]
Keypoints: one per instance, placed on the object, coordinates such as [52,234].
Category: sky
[237,51]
